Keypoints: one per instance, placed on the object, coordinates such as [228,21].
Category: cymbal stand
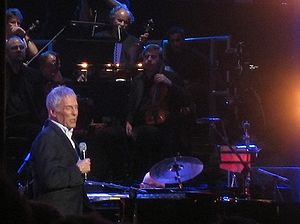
[176,168]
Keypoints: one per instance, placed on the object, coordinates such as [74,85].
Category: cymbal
[176,169]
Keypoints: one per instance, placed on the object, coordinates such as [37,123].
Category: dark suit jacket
[57,179]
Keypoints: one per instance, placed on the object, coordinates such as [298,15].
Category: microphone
[119,33]
[82,149]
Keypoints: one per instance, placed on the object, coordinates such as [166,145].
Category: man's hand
[84,165]
[143,38]
[161,78]
[17,30]
[128,129]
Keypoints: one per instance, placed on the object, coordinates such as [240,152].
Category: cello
[158,111]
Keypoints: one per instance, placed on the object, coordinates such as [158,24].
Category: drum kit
[236,160]
[176,170]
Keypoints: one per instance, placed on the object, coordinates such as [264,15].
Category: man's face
[152,60]
[12,23]
[51,67]
[67,112]
[176,41]
[15,50]
[122,19]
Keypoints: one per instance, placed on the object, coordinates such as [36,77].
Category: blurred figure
[188,62]
[56,165]
[51,77]
[192,66]
[21,100]
[50,68]
[14,19]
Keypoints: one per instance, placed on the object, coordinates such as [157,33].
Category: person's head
[14,17]
[62,106]
[176,38]
[152,57]
[15,50]
[49,64]
[121,16]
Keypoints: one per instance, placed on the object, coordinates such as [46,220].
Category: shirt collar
[65,130]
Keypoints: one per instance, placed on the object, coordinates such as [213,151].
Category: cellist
[154,101]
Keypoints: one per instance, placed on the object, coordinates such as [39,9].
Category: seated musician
[154,99]
[14,18]
[127,47]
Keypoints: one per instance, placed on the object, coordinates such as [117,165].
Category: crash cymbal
[176,169]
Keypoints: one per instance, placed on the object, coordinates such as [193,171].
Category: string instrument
[33,26]
[158,111]
[149,26]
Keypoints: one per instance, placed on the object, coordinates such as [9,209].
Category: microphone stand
[95,20]
[21,187]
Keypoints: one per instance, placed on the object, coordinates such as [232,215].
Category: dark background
[270,31]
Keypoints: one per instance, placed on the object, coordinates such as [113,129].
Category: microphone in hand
[82,149]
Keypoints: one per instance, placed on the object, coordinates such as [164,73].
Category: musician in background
[50,68]
[154,101]
[14,18]
[51,77]
[190,64]
[21,115]
[127,47]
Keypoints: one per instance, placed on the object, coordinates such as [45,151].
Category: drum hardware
[205,120]
[234,159]
[176,170]
[275,183]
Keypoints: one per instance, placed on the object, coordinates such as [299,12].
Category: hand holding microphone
[84,165]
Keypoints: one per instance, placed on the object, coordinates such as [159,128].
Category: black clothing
[58,15]
[139,96]
[22,116]
[189,63]
[129,42]
[192,67]
[152,143]
[56,178]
